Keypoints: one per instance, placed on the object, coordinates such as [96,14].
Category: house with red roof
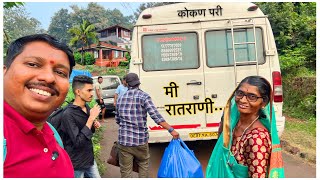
[106,54]
[113,44]
[117,34]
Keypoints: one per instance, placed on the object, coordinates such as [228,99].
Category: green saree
[222,163]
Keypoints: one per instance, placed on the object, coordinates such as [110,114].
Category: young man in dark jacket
[78,126]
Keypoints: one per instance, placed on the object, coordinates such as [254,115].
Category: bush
[124,63]
[111,71]
[300,97]
[128,57]
[77,57]
[96,139]
[89,58]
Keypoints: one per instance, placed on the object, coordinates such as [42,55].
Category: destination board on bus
[170,51]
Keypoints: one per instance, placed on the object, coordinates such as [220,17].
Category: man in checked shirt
[131,116]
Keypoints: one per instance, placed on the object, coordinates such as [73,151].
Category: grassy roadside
[97,138]
[299,138]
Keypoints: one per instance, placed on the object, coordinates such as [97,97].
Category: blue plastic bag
[178,161]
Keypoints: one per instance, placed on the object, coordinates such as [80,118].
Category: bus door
[172,73]
[223,43]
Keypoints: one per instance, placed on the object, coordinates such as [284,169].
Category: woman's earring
[263,108]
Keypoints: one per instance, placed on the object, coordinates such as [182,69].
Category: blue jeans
[91,172]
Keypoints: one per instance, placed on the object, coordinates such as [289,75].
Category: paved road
[294,167]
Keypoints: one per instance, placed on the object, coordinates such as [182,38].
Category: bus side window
[220,51]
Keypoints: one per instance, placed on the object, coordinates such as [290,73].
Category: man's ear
[77,92]
[4,69]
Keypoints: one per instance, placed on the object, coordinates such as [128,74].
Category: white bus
[191,56]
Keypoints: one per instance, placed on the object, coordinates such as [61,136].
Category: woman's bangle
[170,130]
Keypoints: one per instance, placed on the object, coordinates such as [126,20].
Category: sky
[43,11]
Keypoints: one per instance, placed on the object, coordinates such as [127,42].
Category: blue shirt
[131,116]
[121,89]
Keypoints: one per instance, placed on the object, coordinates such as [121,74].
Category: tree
[9,5]
[61,22]
[115,17]
[94,13]
[101,17]
[18,23]
[294,28]
[82,35]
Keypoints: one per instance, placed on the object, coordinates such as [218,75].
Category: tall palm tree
[82,34]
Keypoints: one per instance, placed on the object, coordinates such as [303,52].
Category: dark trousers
[141,156]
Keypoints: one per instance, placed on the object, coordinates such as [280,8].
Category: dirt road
[294,168]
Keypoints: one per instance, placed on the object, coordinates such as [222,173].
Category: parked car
[109,86]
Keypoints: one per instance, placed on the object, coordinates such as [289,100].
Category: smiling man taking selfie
[35,83]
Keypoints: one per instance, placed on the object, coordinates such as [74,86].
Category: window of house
[126,33]
[116,54]
[96,54]
[170,51]
[112,33]
[103,33]
[219,47]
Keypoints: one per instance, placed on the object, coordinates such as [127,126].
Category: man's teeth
[41,92]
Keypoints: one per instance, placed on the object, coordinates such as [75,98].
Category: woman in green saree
[249,145]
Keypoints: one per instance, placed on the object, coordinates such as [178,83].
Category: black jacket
[77,136]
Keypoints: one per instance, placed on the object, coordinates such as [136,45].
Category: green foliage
[115,17]
[60,23]
[119,71]
[294,27]
[128,56]
[82,34]
[111,71]
[96,70]
[300,97]
[309,127]
[77,57]
[124,63]
[69,98]
[17,23]
[8,5]
[96,139]
[89,58]
[291,60]
[94,13]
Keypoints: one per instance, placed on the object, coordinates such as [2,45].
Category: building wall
[125,34]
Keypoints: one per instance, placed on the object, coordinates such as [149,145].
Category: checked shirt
[131,116]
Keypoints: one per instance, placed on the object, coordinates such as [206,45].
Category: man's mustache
[49,87]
